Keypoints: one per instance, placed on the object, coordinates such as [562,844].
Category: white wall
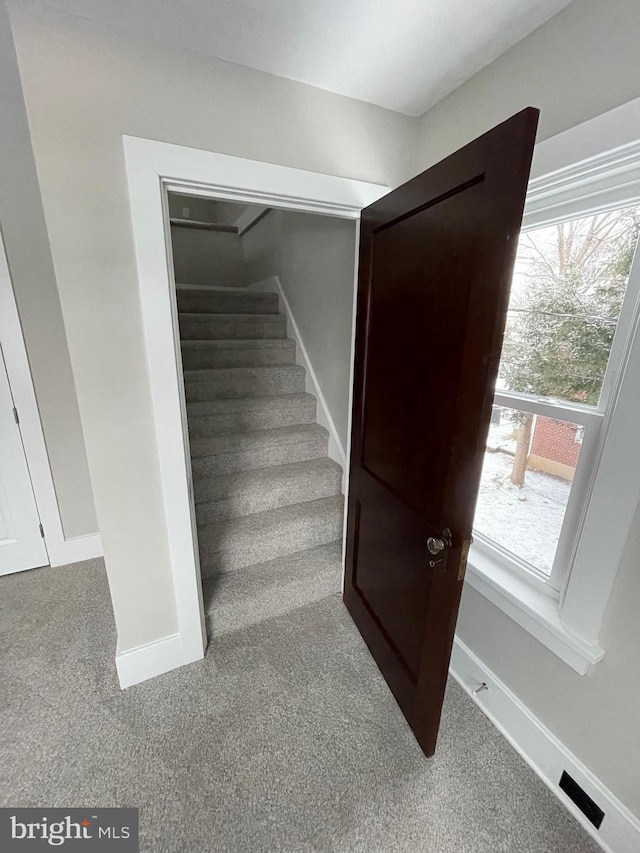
[27,246]
[582,63]
[314,257]
[206,257]
[85,86]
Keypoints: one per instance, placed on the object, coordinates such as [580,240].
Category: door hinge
[15,415]
[41,530]
[464,556]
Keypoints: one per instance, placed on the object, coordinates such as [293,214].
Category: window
[560,484]
[556,372]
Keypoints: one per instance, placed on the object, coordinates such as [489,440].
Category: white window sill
[533,610]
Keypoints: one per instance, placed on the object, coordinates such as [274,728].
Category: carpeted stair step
[244,451]
[200,300]
[233,543]
[237,600]
[210,417]
[234,382]
[247,492]
[232,326]
[251,353]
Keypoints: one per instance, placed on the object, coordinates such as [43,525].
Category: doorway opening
[265,314]
[154,170]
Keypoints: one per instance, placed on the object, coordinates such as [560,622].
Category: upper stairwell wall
[201,256]
[211,258]
[314,258]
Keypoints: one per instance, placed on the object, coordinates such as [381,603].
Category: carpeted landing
[285,738]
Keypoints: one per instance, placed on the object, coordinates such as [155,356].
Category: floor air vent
[583,801]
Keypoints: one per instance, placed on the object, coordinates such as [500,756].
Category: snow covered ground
[501,436]
[525,520]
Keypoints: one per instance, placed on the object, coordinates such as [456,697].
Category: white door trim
[152,169]
[59,549]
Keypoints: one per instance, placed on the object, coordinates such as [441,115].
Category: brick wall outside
[555,440]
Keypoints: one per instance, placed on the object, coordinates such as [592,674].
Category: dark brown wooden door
[436,258]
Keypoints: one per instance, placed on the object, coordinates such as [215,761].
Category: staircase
[268,499]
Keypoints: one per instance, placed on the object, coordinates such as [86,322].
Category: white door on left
[21,544]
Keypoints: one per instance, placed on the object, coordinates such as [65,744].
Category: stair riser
[251,357]
[223,327]
[196,301]
[267,496]
[248,460]
[268,384]
[279,414]
[240,550]
[226,614]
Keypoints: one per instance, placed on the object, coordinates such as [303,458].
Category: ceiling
[402,54]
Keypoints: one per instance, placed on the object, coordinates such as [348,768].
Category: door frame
[24,398]
[153,169]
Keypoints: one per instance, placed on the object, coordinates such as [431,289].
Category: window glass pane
[568,286]
[528,470]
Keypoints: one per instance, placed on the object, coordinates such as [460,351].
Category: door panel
[436,257]
[21,545]
[410,331]
[397,599]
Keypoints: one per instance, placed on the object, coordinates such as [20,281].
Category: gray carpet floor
[284,738]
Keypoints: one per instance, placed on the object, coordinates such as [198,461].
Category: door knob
[437,544]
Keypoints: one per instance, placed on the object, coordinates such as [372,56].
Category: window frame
[591,168]
[589,417]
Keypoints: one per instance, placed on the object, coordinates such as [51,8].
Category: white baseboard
[74,550]
[336,450]
[619,831]
[151,659]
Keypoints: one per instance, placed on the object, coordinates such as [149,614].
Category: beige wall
[213,258]
[314,257]
[27,246]
[85,86]
[583,62]
[204,209]
[596,716]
